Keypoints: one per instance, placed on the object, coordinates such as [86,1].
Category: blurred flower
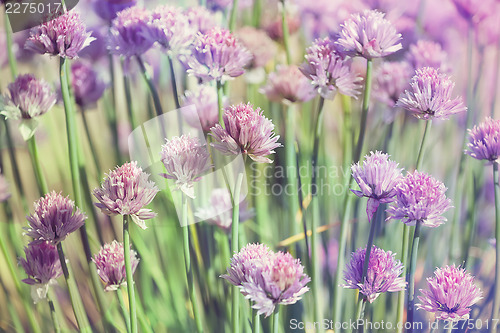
[369,35]
[204,99]
[169,27]
[110,262]
[108,9]
[126,190]
[185,160]
[97,49]
[267,278]
[383,273]
[27,99]
[275,28]
[420,198]
[127,33]
[259,44]
[42,266]
[200,18]
[377,178]
[484,140]
[63,36]
[223,5]
[390,81]
[246,131]
[217,55]
[55,217]
[473,10]
[4,188]
[430,96]
[288,84]
[329,71]
[87,87]
[428,54]
[220,210]
[450,294]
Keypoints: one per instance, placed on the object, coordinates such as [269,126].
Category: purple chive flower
[420,198]
[204,99]
[484,140]
[288,85]
[169,27]
[259,44]
[222,5]
[267,278]
[369,35]
[108,9]
[220,210]
[127,33]
[64,36]
[247,131]
[473,11]
[390,81]
[87,87]
[383,273]
[110,262]
[42,266]
[4,189]
[328,71]
[126,191]
[430,96]
[217,55]
[377,178]
[450,294]
[428,54]
[185,160]
[200,18]
[55,217]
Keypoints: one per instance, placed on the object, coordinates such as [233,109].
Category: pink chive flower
[383,273]
[390,81]
[204,99]
[267,278]
[108,9]
[126,190]
[428,54]
[4,189]
[328,71]
[450,294]
[54,218]
[127,33]
[64,36]
[420,198]
[484,140]
[259,44]
[377,178]
[169,27]
[42,266]
[474,11]
[185,161]
[275,28]
[369,35]
[217,55]
[247,132]
[287,84]
[429,96]
[200,18]
[110,262]
[87,87]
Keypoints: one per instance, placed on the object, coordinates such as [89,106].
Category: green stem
[257,9]
[151,86]
[401,294]
[256,322]
[235,247]
[360,309]
[364,110]
[232,18]
[276,319]
[286,34]
[428,124]
[173,82]
[220,96]
[53,315]
[496,299]
[37,167]
[10,53]
[123,307]
[291,170]
[128,99]
[130,278]
[93,150]
[369,244]
[411,274]
[347,131]
[111,111]
[76,301]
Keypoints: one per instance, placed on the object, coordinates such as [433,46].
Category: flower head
[450,294]
[126,191]
[55,217]
[185,160]
[383,273]
[329,71]
[377,178]
[267,278]
[87,87]
[110,262]
[64,36]
[108,9]
[429,96]
[204,99]
[246,131]
[217,55]
[200,18]
[390,81]
[484,140]
[288,85]
[259,44]
[128,31]
[42,266]
[369,35]
[420,198]
[427,54]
